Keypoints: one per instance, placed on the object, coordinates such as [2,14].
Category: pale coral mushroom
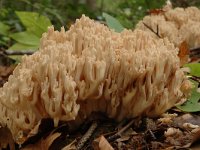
[91,68]
[176,24]
[190,32]
[159,24]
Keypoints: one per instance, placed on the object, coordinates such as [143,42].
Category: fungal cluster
[91,68]
[178,25]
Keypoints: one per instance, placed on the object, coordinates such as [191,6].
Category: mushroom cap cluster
[91,68]
[176,24]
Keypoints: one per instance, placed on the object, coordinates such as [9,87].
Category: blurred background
[22,22]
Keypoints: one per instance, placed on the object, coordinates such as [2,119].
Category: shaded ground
[172,131]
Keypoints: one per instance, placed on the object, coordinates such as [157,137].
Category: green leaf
[113,23]
[4,40]
[34,22]
[26,38]
[194,68]
[17,58]
[19,46]
[4,29]
[192,105]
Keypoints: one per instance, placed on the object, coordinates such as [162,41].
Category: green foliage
[34,22]
[192,105]
[4,29]
[35,25]
[113,23]
[185,3]
[129,12]
[61,13]
[24,47]
[194,68]
[26,40]
[64,13]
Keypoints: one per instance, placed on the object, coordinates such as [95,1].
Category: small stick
[195,49]
[11,52]
[121,124]
[157,33]
[157,30]
[195,54]
[195,78]
[86,136]
[116,135]
[126,127]
[152,134]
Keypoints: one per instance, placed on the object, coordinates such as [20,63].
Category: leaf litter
[171,131]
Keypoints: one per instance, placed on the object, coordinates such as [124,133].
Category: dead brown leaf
[177,137]
[102,144]
[182,139]
[43,144]
[5,72]
[70,146]
[155,11]
[35,130]
[195,138]
[186,118]
[123,138]
[183,53]
[196,147]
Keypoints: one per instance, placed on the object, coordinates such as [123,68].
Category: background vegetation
[20,30]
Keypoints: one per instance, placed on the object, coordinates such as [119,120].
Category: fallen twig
[195,49]
[118,134]
[157,29]
[195,78]
[86,136]
[11,52]
[151,126]
[195,52]
[152,134]
[121,124]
